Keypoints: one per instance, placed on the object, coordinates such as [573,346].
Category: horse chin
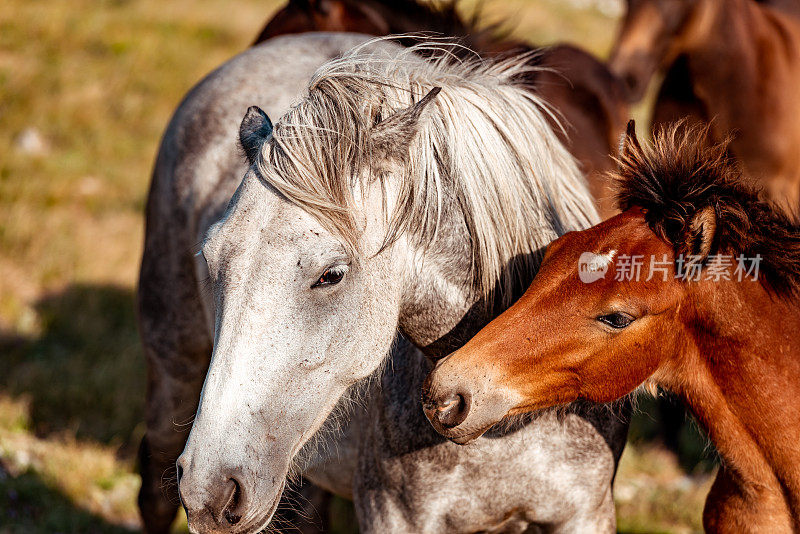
[462,438]
[264,524]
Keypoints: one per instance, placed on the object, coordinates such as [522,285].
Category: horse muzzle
[460,408]
[223,500]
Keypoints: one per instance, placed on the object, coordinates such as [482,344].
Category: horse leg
[171,404]
[177,349]
[676,99]
[733,508]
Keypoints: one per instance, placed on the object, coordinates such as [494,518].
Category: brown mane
[684,172]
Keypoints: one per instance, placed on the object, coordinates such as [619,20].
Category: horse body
[590,103]
[732,64]
[725,343]
[559,469]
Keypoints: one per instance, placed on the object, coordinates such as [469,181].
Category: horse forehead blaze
[603,246]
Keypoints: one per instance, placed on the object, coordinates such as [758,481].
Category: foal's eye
[616,320]
[331,276]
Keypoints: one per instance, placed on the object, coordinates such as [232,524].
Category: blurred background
[86,89]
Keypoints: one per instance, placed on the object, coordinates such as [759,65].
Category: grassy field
[86,87]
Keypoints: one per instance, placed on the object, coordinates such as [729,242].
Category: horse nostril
[180,473]
[632,83]
[231,510]
[452,411]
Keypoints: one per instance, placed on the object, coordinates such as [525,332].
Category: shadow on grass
[665,421]
[29,506]
[85,373]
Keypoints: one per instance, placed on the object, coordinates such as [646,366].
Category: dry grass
[97,82]
[655,494]
[67,470]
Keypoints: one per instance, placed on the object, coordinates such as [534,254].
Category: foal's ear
[629,143]
[392,136]
[698,235]
[254,130]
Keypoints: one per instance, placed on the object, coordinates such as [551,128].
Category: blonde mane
[485,144]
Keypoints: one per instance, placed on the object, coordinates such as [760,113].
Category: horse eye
[331,276]
[616,320]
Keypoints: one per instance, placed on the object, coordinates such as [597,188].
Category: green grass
[29,505]
[98,81]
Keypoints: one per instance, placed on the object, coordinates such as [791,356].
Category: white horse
[400,195]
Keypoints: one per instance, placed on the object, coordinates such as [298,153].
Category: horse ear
[392,136]
[254,130]
[629,143]
[698,235]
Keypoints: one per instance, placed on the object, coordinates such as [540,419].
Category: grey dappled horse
[374,230]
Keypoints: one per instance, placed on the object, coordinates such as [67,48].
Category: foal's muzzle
[447,408]
[458,406]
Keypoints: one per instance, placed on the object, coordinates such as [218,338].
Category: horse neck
[741,382]
[492,227]
[723,47]
[441,310]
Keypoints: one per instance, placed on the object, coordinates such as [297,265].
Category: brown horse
[733,63]
[587,97]
[691,288]
[373,17]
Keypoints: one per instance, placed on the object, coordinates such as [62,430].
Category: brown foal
[733,63]
[691,288]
